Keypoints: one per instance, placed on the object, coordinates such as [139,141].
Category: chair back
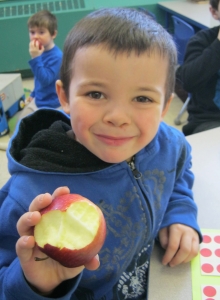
[182,33]
[147,12]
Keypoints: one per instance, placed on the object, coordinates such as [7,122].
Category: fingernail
[40,198]
[25,239]
[97,257]
[30,216]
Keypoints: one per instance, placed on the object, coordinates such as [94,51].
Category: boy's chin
[115,160]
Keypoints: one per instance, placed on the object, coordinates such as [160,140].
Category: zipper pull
[136,173]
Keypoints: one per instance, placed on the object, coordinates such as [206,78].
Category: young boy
[200,76]
[117,79]
[45,61]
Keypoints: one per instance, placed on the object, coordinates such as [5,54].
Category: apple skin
[39,44]
[72,258]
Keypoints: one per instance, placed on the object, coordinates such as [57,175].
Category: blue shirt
[46,68]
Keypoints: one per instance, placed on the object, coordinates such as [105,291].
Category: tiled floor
[28,84]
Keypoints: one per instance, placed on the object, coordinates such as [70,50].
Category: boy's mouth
[113,141]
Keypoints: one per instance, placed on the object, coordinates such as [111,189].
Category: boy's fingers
[93,264]
[187,249]
[180,257]
[164,237]
[43,200]
[194,251]
[169,254]
[40,202]
[171,251]
[26,222]
[24,248]
[61,191]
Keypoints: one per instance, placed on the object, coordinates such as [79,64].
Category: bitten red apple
[39,44]
[72,230]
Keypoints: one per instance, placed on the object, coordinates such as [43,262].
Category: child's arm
[201,62]
[180,234]
[46,70]
[180,242]
[43,276]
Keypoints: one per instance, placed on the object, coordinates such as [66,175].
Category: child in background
[45,62]
[117,80]
[200,76]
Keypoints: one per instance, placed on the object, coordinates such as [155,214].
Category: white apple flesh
[72,230]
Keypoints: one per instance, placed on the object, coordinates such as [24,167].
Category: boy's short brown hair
[45,19]
[214,4]
[119,30]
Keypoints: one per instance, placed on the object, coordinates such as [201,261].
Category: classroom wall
[14,14]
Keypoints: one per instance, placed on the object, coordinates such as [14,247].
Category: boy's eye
[95,95]
[143,99]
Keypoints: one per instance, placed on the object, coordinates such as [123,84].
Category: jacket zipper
[137,175]
[135,172]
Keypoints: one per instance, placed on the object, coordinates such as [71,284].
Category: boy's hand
[180,242]
[34,49]
[28,100]
[218,37]
[47,274]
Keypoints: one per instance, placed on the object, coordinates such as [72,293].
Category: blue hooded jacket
[137,201]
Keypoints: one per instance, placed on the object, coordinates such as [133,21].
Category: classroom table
[175,283]
[195,13]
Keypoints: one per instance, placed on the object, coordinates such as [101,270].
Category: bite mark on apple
[72,230]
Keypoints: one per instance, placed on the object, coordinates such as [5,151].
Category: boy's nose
[117,116]
[35,35]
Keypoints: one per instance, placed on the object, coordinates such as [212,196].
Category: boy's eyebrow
[101,85]
[86,83]
[148,89]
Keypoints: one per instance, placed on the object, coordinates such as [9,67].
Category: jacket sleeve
[201,62]
[13,284]
[45,73]
[182,208]
[32,94]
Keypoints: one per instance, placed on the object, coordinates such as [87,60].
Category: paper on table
[205,267]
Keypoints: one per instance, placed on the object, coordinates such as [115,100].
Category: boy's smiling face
[116,102]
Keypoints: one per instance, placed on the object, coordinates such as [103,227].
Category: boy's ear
[62,97]
[214,13]
[165,109]
[55,34]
